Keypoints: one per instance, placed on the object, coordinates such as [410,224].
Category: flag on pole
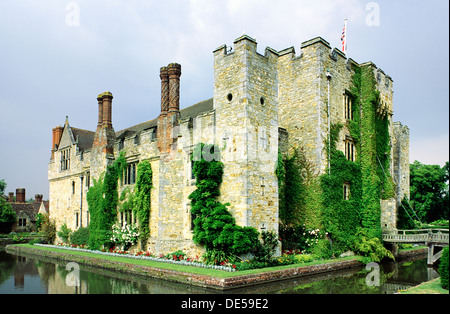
[344,38]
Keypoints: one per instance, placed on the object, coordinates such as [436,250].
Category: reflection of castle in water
[44,276]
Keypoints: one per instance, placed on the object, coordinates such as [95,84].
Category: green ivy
[368,176]
[214,226]
[102,200]
[142,199]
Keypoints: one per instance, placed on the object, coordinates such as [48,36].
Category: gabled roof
[29,209]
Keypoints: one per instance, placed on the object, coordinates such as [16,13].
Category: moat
[33,275]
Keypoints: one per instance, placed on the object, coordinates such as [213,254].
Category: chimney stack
[38,198]
[100,111]
[107,109]
[20,195]
[11,197]
[164,75]
[56,136]
[174,71]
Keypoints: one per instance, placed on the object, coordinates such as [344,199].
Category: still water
[34,275]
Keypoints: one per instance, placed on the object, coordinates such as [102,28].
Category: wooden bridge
[430,237]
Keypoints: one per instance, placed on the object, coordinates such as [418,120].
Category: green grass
[183,268]
[429,287]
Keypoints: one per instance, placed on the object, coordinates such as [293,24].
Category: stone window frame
[349,149]
[348,102]
[346,191]
[65,159]
[190,177]
[129,176]
[22,222]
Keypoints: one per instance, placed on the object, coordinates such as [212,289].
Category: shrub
[64,233]
[444,268]
[80,236]
[176,256]
[266,248]
[372,249]
[48,229]
[304,258]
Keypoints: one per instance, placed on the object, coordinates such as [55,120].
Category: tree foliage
[429,191]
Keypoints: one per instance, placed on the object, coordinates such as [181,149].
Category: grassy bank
[181,268]
[429,287]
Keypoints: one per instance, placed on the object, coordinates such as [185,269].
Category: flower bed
[144,256]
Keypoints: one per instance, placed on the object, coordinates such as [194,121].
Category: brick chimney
[174,71]
[11,197]
[100,111]
[56,138]
[164,75]
[38,198]
[105,135]
[170,106]
[107,109]
[20,195]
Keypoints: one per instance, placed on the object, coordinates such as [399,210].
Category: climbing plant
[142,199]
[214,226]
[102,200]
[353,222]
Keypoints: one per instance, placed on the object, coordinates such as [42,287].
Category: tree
[7,214]
[429,191]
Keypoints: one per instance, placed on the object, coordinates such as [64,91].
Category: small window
[348,112]
[230,97]
[346,190]
[350,150]
[262,101]
[129,174]
[22,222]
[65,159]
[73,187]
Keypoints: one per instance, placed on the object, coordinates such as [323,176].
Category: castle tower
[246,104]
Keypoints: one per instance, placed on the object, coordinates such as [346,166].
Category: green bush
[443,268]
[372,249]
[64,233]
[80,236]
[48,229]
[304,258]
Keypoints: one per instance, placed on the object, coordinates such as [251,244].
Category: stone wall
[246,105]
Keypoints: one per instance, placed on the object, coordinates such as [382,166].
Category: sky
[56,56]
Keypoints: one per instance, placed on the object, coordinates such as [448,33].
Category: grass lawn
[429,287]
[182,268]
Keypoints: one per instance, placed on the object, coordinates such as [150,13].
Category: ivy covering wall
[105,204]
[214,226]
[353,223]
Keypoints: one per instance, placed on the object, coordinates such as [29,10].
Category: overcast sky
[56,56]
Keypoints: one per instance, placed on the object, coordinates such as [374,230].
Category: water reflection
[29,274]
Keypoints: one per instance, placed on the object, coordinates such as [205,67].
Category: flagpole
[346,35]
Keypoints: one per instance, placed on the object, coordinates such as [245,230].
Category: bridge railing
[418,236]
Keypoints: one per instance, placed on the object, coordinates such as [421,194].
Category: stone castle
[261,103]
